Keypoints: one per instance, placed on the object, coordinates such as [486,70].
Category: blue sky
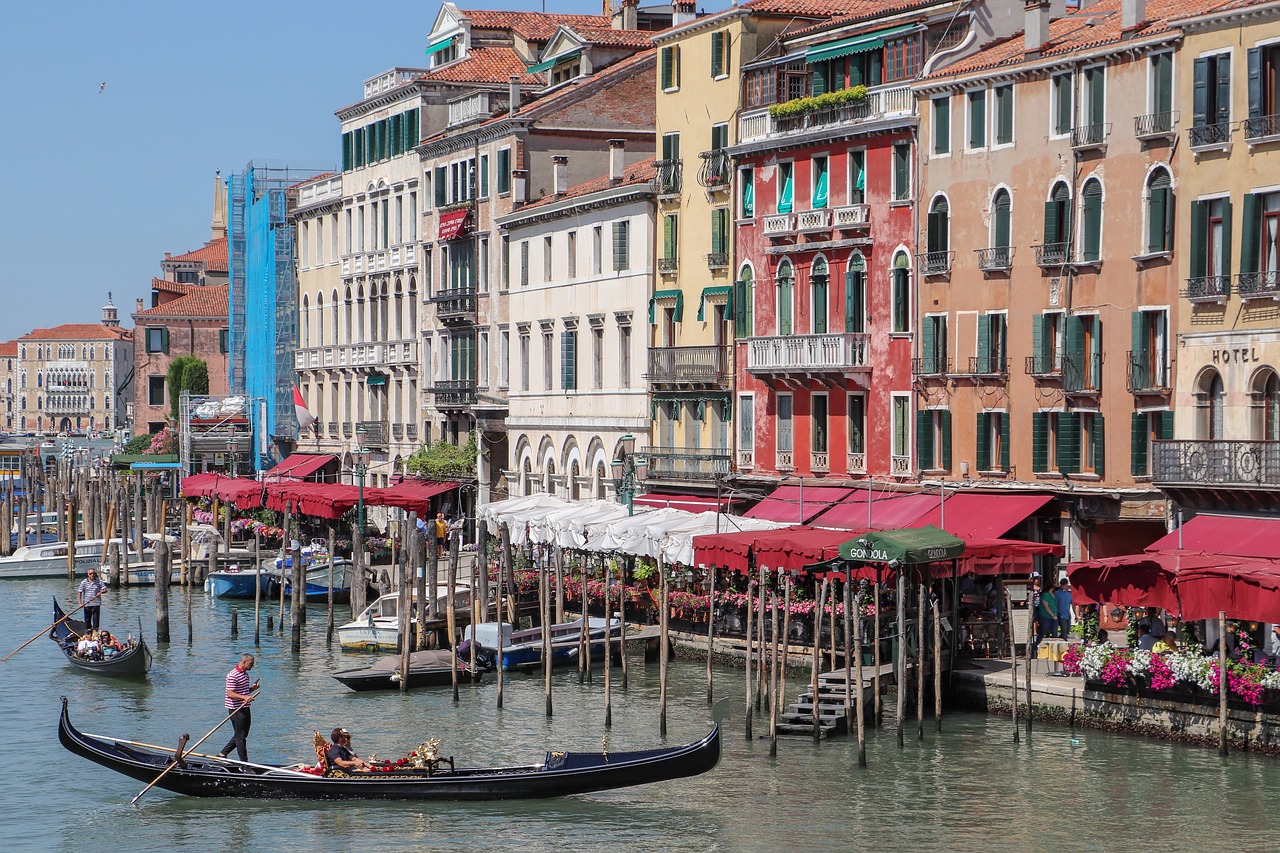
[99,185]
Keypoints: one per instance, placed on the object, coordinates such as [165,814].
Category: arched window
[1159,211]
[1057,225]
[1091,221]
[320,319]
[819,283]
[786,298]
[1001,225]
[939,225]
[855,294]
[901,292]
[1266,401]
[334,308]
[744,296]
[398,310]
[304,326]
[361,329]
[1212,399]
[413,307]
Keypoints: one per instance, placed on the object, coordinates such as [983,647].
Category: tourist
[1167,643]
[110,645]
[1103,636]
[239,693]
[89,648]
[1230,641]
[1046,613]
[441,531]
[90,593]
[1062,598]
[1158,628]
[1273,647]
[1146,639]
[339,754]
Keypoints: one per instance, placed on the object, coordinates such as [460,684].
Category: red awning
[200,485]
[799,547]
[887,512]
[1134,580]
[1248,589]
[784,504]
[982,515]
[452,222]
[299,466]
[242,492]
[984,556]
[688,503]
[408,495]
[727,550]
[320,500]
[1234,535]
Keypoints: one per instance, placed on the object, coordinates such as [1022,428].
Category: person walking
[1046,613]
[1062,598]
[442,533]
[90,598]
[239,693]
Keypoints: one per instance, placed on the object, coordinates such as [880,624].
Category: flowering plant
[1187,666]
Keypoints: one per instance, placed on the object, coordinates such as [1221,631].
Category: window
[1211,242]
[670,237]
[484,176]
[992,344]
[857,176]
[942,125]
[901,293]
[157,340]
[1146,428]
[933,344]
[504,171]
[1211,100]
[442,186]
[597,249]
[1264,90]
[1161,89]
[855,294]
[1004,115]
[818,426]
[597,357]
[991,453]
[621,247]
[1260,243]
[856,423]
[1159,211]
[1046,343]
[1091,221]
[939,226]
[1266,406]
[933,439]
[977,119]
[786,187]
[548,357]
[1057,220]
[524,361]
[901,425]
[901,171]
[1092,443]
[504,358]
[1149,356]
[1001,227]
[785,437]
[786,297]
[1093,110]
[744,303]
[746,423]
[720,236]
[820,193]
[399,220]
[719,54]
[546,258]
[155,390]
[569,359]
[747,197]
[524,263]
[819,283]
[670,68]
[1063,104]
[1082,353]
[482,356]
[413,218]
[624,352]
[902,58]
[222,340]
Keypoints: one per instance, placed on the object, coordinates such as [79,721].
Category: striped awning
[854,44]
[548,64]
[436,47]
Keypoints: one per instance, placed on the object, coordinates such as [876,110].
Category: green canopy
[907,546]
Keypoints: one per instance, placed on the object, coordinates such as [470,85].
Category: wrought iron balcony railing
[1148,373]
[455,304]
[668,265]
[1258,285]
[713,174]
[454,393]
[1245,464]
[1262,127]
[995,258]
[1088,136]
[717,260]
[688,365]
[1051,254]
[669,177]
[666,463]
[1206,135]
[1044,365]
[931,365]
[1208,288]
[1155,125]
[376,433]
[1082,374]
[988,365]
[934,263]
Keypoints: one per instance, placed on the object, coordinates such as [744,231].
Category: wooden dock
[797,719]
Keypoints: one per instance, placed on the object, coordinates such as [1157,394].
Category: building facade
[8,372]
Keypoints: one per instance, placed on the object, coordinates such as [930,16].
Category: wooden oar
[5,659]
[177,756]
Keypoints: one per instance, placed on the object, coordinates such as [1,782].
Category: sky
[99,181]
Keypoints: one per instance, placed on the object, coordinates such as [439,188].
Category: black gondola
[427,668]
[559,774]
[134,660]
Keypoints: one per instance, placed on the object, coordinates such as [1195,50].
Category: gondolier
[91,590]
[239,693]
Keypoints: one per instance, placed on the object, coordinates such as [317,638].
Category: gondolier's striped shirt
[237,681]
[91,592]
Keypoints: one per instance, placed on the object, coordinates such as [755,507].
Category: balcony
[454,393]
[347,431]
[856,462]
[397,432]
[1258,285]
[778,225]
[784,460]
[900,466]
[746,460]
[411,432]
[1156,126]
[809,221]
[717,260]
[934,263]
[819,461]
[457,305]
[931,365]
[986,365]
[713,174]
[881,103]
[1147,375]
[376,434]
[667,463]
[667,266]
[1208,288]
[1051,254]
[995,259]
[1045,366]
[669,177]
[1210,136]
[688,366]
[1242,464]
[1261,129]
[852,216]
[468,108]
[807,355]
[371,355]
[1082,374]
[1087,137]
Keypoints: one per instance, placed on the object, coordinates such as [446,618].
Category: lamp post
[231,455]
[628,470]
[361,468]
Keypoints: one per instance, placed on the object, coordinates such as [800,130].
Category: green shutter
[1162,78]
[1092,249]
[819,306]
[1250,227]
[983,449]
[1004,442]
[944,427]
[1001,230]
[901,322]
[1040,442]
[1004,115]
[1140,361]
[978,119]
[1099,445]
[819,80]
[942,126]
[666,68]
[1139,462]
[1051,227]
[1255,83]
[901,172]
[820,184]
[786,192]
[937,231]
[1062,96]
[1200,97]
[1222,82]
[853,318]
[739,317]
[720,230]
[984,343]
[1199,238]
[1158,219]
[669,236]
[347,152]
[1074,367]
[748,193]
[928,345]
[1096,78]
[568,360]
[164,340]
[1095,356]
[1166,426]
[1226,238]
[1068,442]
[924,439]
[717,53]
[442,187]
[786,288]
[504,170]
[1039,363]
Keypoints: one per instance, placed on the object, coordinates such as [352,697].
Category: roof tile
[198,302]
[637,173]
[532,26]
[212,254]
[79,332]
[486,65]
[9,349]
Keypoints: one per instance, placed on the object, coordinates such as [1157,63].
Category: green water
[969,788]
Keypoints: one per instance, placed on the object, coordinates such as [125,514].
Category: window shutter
[1073,368]
[984,343]
[717,54]
[1097,95]
[1095,355]
[504,170]
[819,80]
[1051,222]
[1166,426]
[1199,238]
[786,193]
[164,340]
[1162,74]
[1223,82]
[1099,445]
[819,306]
[1001,230]
[942,126]
[929,345]
[983,448]
[901,175]
[739,299]
[1004,115]
[675,65]
[1226,238]
[669,236]
[666,68]
[1092,249]
[621,259]
[1200,96]
[1004,442]
[820,184]
[442,187]
[901,322]
[1140,362]
[347,152]
[1063,94]
[1068,442]
[1139,463]
[748,194]
[717,241]
[785,291]
[1158,217]
[1255,83]
[853,319]
[1250,251]
[568,360]
[978,119]
[1040,364]
[924,439]
[936,227]
[1040,442]
[944,427]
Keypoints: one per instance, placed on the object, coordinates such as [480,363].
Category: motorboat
[235,581]
[317,580]
[427,668]
[50,559]
[377,628]
[523,649]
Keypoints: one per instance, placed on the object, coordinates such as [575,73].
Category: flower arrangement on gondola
[425,757]
[1185,668]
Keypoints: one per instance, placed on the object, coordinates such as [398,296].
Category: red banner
[451,223]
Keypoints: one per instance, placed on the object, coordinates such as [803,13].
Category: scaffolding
[215,432]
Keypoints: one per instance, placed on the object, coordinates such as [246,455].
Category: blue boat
[317,577]
[523,649]
[234,582]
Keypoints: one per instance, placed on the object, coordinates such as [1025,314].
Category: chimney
[513,94]
[519,186]
[626,18]
[560,174]
[1037,25]
[684,12]
[1133,13]
[617,147]
[139,308]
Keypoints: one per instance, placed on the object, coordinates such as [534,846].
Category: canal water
[969,788]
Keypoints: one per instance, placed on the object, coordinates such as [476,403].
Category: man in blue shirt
[1062,596]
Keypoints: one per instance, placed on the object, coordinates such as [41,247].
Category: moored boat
[427,668]
[236,582]
[134,659]
[377,628]
[523,649]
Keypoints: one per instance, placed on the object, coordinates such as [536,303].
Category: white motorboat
[378,626]
[50,560]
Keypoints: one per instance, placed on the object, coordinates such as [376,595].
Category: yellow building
[1226,448]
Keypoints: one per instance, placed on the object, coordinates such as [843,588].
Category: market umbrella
[907,546]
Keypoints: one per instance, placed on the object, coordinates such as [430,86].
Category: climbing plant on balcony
[813,103]
[444,461]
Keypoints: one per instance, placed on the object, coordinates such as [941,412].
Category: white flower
[1095,658]
[1140,662]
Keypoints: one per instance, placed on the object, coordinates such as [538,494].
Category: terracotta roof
[78,332]
[198,302]
[213,255]
[165,286]
[639,173]
[9,349]
[533,26]
[862,11]
[486,65]
[610,37]
[811,8]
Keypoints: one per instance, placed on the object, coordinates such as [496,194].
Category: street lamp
[628,470]
[231,455]
[362,460]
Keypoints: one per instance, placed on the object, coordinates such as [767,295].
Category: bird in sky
[101,88]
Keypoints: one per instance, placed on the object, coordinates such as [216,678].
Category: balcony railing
[669,177]
[469,108]
[667,463]
[1209,135]
[376,433]
[1082,374]
[1262,127]
[688,365]
[807,353]
[813,220]
[852,216]
[1208,288]
[995,258]
[455,304]
[1051,254]
[397,431]
[347,429]
[931,365]
[1216,463]
[856,463]
[1044,365]
[987,365]
[713,174]
[819,461]
[717,260]
[935,263]
[900,466]
[454,393]
[356,355]
[1258,285]
[785,460]
[1088,136]
[1148,374]
[668,265]
[333,429]
[1155,125]
[880,103]
[746,460]
[779,225]
[411,432]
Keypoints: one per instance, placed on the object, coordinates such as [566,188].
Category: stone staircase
[797,719]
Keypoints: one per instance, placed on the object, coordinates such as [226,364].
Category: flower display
[1186,667]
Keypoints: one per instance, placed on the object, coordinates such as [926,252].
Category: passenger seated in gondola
[110,645]
[89,648]
[340,756]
